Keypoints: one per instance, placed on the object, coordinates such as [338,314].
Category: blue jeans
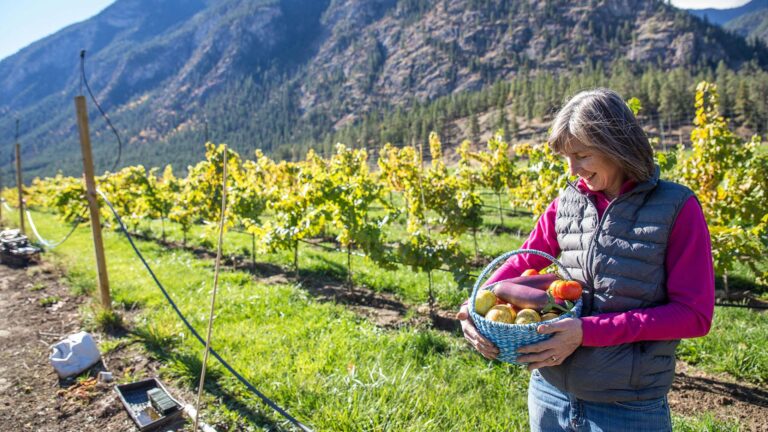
[551,410]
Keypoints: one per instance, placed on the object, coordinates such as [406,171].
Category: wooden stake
[217,267]
[90,188]
[20,188]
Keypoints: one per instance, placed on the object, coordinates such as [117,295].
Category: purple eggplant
[540,281]
[526,297]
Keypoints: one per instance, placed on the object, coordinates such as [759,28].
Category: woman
[640,247]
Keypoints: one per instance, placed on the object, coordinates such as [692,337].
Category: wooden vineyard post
[90,188]
[20,187]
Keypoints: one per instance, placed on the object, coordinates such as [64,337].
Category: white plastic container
[74,354]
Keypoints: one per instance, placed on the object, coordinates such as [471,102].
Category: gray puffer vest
[619,260]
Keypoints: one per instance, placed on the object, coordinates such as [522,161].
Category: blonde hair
[601,120]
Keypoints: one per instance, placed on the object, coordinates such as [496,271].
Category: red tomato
[530,272]
[566,290]
[554,286]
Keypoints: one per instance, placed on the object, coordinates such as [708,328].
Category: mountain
[748,21]
[274,74]
[722,16]
[751,25]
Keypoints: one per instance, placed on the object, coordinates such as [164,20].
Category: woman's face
[598,171]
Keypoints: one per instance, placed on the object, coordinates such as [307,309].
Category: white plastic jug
[74,354]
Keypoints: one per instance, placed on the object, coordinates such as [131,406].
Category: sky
[706,4]
[25,21]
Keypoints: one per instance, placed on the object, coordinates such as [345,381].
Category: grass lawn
[330,368]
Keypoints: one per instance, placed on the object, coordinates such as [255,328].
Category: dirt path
[32,398]
[694,392]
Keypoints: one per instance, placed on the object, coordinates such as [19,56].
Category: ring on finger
[553,359]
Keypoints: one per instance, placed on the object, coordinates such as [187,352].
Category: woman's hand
[566,337]
[481,344]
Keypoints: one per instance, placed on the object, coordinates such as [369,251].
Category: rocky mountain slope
[751,25]
[268,73]
[722,16]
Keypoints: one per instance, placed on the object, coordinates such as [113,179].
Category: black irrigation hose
[103,114]
[48,245]
[239,377]
[509,210]
[333,249]
[330,248]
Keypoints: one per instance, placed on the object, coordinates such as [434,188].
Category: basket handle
[563,271]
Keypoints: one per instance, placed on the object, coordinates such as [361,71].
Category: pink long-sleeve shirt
[690,279]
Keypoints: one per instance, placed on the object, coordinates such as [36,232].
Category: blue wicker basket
[509,337]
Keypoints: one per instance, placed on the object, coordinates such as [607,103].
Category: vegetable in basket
[526,297]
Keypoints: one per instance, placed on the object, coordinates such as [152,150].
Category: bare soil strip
[37,310]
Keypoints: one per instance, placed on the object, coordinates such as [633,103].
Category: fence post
[19,186]
[90,188]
